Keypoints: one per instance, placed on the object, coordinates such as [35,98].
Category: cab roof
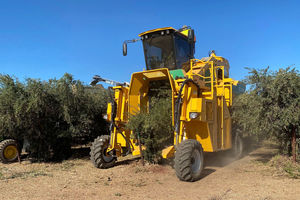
[155,30]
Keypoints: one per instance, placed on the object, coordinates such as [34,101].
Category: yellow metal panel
[196,105]
[118,97]
[227,128]
[137,151]
[120,139]
[199,131]
[168,152]
[109,108]
[137,82]
[124,104]
[227,95]
[185,32]
[209,110]
[155,74]
[220,91]
[211,127]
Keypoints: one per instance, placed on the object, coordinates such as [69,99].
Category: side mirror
[191,36]
[124,49]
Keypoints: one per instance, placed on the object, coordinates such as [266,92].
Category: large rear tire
[98,153]
[9,151]
[237,147]
[189,160]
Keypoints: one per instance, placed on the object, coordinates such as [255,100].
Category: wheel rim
[10,152]
[196,161]
[107,158]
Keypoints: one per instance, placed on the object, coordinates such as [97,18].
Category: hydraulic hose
[113,110]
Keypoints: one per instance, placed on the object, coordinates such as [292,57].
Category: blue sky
[46,38]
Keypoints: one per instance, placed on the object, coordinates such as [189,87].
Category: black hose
[113,110]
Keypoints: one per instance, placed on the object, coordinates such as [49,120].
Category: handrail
[206,79]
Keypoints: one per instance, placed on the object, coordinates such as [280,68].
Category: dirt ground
[247,178]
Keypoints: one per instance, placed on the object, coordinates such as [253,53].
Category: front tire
[189,160]
[98,153]
[9,151]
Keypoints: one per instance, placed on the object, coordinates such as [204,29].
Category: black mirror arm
[125,45]
[131,41]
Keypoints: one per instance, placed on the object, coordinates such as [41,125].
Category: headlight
[105,116]
[194,115]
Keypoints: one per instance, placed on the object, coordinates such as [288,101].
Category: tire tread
[3,145]
[183,162]
[96,152]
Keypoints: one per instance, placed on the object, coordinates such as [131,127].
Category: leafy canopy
[50,114]
[271,106]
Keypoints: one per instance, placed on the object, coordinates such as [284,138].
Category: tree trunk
[294,143]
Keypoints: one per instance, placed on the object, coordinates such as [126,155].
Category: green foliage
[11,93]
[81,106]
[50,114]
[271,107]
[154,127]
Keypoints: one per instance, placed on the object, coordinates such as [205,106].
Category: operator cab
[168,47]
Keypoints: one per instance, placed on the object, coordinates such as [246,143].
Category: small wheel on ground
[189,160]
[237,147]
[8,151]
[98,154]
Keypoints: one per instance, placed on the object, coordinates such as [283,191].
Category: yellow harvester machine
[202,94]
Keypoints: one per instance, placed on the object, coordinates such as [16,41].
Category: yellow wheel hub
[10,152]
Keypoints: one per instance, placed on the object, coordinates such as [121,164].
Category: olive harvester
[202,94]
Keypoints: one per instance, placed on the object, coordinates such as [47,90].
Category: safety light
[105,116]
[194,115]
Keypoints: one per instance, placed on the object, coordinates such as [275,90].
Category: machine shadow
[223,158]
[266,154]
[127,161]
[206,172]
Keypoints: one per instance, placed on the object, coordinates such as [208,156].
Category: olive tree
[50,115]
[271,106]
[154,128]
[11,94]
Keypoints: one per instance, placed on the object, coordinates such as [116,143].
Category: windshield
[159,52]
[183,50]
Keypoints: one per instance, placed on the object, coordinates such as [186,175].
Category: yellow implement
[202,94]
[9,150]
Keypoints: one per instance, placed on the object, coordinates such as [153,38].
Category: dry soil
[223,178]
